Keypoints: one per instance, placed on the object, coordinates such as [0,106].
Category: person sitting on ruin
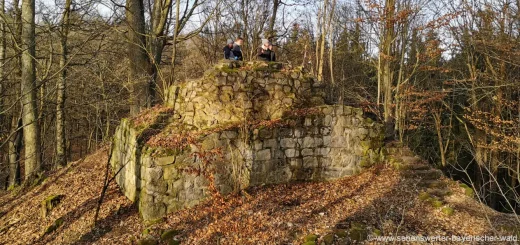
[228,54]
[237,50]
[265,52]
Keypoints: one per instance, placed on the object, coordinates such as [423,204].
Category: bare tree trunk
[322,41]
[270,31]
[31,126]
[399,105]
[61,159]
[176,27]
[387,59]
[3,123]
[161,10]
[331,37]
[2,61]
[15,147]
[440,140]
[331,43]
[139,62]
[317,52]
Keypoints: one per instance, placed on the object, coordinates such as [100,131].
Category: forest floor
[381,198]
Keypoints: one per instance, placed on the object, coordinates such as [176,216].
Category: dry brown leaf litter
[280,214]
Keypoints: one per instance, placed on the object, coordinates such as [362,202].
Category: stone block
[310,162]
[327,110]
[292,153]
[308,142]
[265,133]
[152,175]
[308,122]
[263,155]
[295,162]
[325,131]
[171,172]
[322,151]
[229,134]
[327,120]
[327,140]
[288,143]
[258,144]
[307,152]
[287,89]
[286,132]
[338,110]
[270,143]
[298,132]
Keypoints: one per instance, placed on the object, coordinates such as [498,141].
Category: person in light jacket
[265,52]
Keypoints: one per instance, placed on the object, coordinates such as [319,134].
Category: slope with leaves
[381,198]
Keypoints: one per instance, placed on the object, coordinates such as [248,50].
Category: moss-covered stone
[423,196]
[154,221]
[229,70]
[357,231]
[377,232]
[310,237]
[11,187]
[448,211]
[328,239]
[40,178]
[50,203]
[341,233]
[436,203]
[169,234]
[309,243]
[55,225]
[468,190]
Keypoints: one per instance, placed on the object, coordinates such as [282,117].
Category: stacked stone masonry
[331,142]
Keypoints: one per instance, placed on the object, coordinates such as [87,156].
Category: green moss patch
[50,203]
[468,190]
[448,211]
[423,196]
[357,232]
[169,234]
[57,223]
[328,239]
[436,203]
[310,237]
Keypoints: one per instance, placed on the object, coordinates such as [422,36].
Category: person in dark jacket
[237,50]
[228,54]
[265,52]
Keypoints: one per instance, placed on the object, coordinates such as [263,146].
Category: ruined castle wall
[230,95]
[331,142]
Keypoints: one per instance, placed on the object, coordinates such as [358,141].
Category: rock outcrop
[236,128]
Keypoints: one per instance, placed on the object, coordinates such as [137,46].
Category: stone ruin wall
[226,95]
[332,142]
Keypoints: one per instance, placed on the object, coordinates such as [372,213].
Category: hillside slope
[381,200]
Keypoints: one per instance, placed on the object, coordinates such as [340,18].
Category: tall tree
[139,71]
[2,61]
[160,12]
[15,147]
[15,141]
[61,158]
[271,34]
[31,126]
[386,67]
